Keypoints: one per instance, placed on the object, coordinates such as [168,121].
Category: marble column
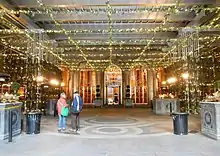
[70,84]
[151,83]
[75,80]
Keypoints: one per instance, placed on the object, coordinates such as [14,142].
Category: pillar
[100,82]
[125,82]
[70,83]
[189,52]
[151,83]
[34,59]
[102,79]
[75,80]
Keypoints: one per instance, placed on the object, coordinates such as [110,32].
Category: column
[98,78]
[125,82]
[102,78]
[151,77]
[70,84]
[75,80]
[100,82]
[34,74]
[189,52]
[155,82]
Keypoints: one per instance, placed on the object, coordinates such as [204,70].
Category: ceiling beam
[104,44]
[158,16]
[92,36]
[105,26]
[23,19]
[125,52]
[74,3]
[197,19]
[201,18]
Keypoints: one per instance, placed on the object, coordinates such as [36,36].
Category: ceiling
[123,32]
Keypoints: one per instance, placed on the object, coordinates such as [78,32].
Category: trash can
[33,123]
[180,123]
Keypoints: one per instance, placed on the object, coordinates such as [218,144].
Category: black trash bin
[33,120]
[180,123]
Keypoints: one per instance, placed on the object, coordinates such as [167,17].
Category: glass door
[113,81]
[113,95]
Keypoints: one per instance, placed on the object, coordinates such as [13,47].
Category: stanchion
[10,126]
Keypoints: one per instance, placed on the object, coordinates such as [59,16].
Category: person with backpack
[61,106]
[77,106]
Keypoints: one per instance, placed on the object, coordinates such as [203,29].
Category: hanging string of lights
[64,31]
[27,34]
[121,47]
[119,11]
[110,27]
[148,43]
[137,30]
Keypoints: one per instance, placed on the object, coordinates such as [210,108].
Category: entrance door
[113,95]
[113,81]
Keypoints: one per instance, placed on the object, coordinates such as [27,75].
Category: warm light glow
[39,78]
[164,82]
[185,75]
[54,82]
[172,80]
[2,79]
[62,84]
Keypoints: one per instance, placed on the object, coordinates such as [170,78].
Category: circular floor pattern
[114,127]
[110,120]
[110,130]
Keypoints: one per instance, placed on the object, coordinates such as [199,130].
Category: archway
[113,83]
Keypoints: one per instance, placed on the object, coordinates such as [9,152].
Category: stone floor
[108,132]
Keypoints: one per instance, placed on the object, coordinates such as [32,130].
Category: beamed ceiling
[118,31]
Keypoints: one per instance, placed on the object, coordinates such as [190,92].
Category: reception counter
[4,119]
[162,106]
[210,119]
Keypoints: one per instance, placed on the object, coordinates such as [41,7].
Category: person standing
[77,106]
[62,119]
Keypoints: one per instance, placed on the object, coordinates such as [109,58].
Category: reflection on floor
[112,123]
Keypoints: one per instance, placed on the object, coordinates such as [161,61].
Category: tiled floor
[114,132]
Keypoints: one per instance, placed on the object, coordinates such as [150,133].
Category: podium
[210,119]
[162,106]
[15,109]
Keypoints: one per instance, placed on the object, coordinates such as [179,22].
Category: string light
[173,9]
[110,27]
[119,11]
